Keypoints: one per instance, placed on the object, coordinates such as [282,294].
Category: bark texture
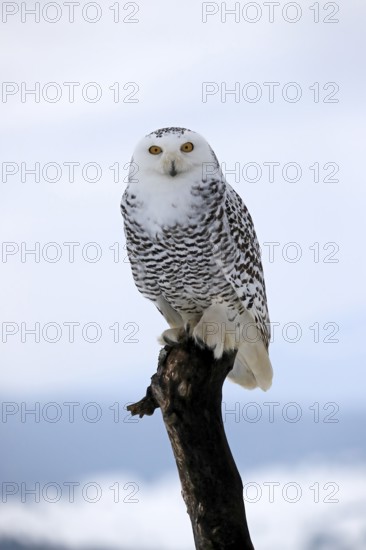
[188,389]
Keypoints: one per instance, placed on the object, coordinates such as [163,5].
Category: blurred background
[277,88]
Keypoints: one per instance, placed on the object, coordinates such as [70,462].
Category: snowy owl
[194,252]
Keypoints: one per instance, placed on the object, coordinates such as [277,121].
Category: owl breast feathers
[194,252]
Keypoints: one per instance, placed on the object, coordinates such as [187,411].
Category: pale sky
[296,158]
[179,68]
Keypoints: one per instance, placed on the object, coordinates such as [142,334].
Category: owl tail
[252,366]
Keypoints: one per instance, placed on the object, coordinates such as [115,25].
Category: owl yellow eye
[155,150]
[187,147]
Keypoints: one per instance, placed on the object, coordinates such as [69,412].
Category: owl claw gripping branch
[194,252]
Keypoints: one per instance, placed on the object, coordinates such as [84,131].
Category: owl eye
[187,147]
[155,150]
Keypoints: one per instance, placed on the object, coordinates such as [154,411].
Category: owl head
[171,153]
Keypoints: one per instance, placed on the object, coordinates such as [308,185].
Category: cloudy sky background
[169,53]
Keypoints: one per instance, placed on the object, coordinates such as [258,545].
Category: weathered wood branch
[188,389]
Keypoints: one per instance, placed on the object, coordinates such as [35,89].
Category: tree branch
[188,389]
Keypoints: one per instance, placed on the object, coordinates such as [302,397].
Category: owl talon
[172,336]
[191,324]
[211,330]
[168,341]
[200,343]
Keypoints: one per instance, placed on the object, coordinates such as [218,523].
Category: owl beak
[172,170]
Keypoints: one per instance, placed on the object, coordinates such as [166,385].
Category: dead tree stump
[188,389]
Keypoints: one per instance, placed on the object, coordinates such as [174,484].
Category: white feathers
[164,199]
[252,366]
[194,252]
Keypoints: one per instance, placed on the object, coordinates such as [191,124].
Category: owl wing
[237,251]
[144,277]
